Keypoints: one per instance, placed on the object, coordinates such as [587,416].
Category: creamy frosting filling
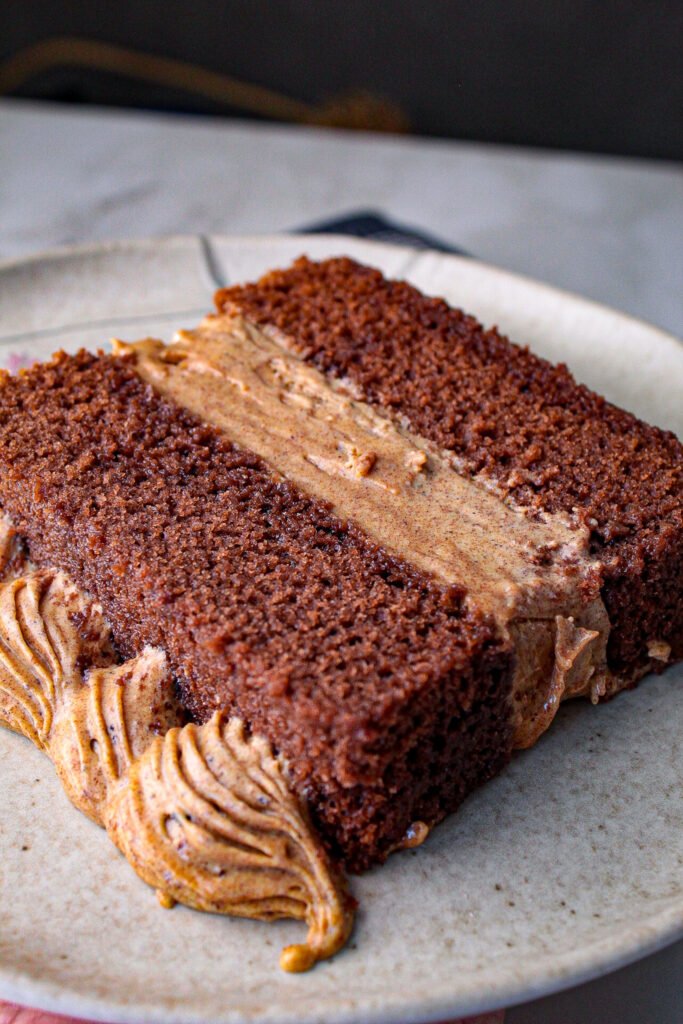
[402,491]
[531,573]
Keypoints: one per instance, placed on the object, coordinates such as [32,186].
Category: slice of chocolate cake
[388,540]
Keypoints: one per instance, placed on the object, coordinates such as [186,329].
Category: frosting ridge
[203,813]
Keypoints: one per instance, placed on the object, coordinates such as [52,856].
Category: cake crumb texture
[548,443]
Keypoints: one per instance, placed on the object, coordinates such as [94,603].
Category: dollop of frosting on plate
[203,813]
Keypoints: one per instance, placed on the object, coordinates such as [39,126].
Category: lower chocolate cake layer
[387,696]
[544,441]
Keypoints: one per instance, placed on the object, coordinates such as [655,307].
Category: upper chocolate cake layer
[388,698]
[546,441]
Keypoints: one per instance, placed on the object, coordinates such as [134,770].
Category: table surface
[608,228]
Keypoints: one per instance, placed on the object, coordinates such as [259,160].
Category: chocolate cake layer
[388,696]
[543,440]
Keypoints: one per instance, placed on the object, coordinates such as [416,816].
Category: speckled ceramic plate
[568,865]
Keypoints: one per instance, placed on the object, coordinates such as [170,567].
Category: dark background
[588,75]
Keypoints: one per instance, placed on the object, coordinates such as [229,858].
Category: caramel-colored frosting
[531,574]
[207,817]
[203,813]
[403,492]
[659,650]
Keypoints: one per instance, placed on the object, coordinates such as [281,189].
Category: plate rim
[585,966]
[52,999]
[56,253]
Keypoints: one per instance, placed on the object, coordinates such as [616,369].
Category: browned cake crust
[388,699]
[548,442]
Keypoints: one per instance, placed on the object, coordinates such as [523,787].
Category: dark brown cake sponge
[388,699]
[547,441]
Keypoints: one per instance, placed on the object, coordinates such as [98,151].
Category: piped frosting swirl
[204,813]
